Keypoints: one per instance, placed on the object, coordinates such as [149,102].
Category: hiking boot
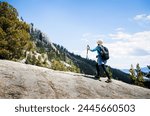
[108,81]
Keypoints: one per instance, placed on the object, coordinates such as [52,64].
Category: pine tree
[14,35]
[148,74]
[31,30]
[140,79]
[132,74]
[41,36]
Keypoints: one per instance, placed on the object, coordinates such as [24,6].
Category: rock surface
[22,81]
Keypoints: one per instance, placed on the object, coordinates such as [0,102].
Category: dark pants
[104,69]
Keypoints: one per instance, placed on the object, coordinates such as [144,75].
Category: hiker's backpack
[104,53]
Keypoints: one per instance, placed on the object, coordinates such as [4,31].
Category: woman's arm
[93,50]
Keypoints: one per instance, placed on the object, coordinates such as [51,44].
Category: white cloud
[148,17]
[143,20]
[126,61]
[135,49]
[86,35]
[120,29]
[140,17]
[134,42]
[126,49]
[92,36]
[120,35]
[85,40]
[99,36]
[141,40]
[88,38]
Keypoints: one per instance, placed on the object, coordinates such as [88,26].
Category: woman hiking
[100,61]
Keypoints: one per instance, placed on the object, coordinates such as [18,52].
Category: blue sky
[123,25]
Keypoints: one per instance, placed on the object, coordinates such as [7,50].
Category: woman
[100,61]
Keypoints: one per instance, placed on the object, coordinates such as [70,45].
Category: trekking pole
[87,51]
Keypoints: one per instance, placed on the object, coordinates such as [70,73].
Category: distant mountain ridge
[144,69]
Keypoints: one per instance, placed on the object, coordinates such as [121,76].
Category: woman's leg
[97,69]
[104,68]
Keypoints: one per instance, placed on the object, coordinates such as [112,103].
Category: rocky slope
[23,81]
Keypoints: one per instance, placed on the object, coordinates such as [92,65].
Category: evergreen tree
[41,37]
[32,28]
[148,66]
[140,79]
[14,36]
[57,65]
[148,74]
[132,74]
[21,19]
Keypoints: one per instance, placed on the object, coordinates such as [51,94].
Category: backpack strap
[102,48]
[100,51]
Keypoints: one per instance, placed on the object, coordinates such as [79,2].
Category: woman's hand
[88,47]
